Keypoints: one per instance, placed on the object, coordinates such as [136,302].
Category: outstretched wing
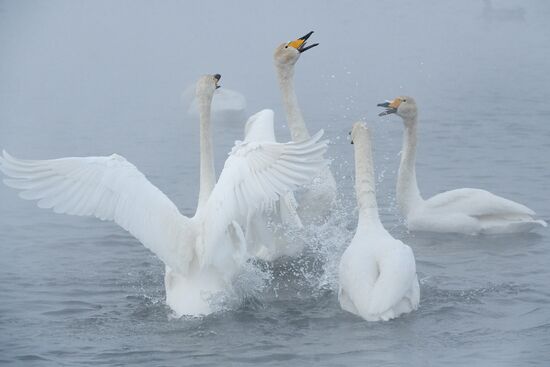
[109,188]
[256,173]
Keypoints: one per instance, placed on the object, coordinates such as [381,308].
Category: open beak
[390,106]
[300,43]
[217,77]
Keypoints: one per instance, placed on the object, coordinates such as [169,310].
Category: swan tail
[397,278]
[505,225]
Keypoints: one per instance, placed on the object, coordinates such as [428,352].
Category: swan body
[466,211]
[267,229]
[377,273]
[317,199]
[203,253]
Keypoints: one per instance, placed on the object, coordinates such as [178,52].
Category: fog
[84,73]
[81,78]
[88,74]
[91,61]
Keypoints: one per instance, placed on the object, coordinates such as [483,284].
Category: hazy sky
[132,59]
[79,77]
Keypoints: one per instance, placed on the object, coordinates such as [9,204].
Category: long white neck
[207,174]
[295,120]
[365,188]
[408,194]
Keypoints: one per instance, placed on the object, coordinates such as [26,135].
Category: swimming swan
[207,250]
[316,201]
[467,211]
[377,272]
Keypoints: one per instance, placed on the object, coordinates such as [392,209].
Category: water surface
[96,78]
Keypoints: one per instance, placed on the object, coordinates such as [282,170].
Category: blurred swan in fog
[468,211]
[316,201]
[203,253]
[501,14]
[377,272]
[267,230]
[228,106]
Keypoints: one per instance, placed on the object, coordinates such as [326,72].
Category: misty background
[98,77]
[81,78]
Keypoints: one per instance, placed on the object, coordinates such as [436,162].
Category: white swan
[268,230]
[207,250]
[184,294]
[467,211]
[316,201]
[377,272]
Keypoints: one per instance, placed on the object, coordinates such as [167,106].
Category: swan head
[288,53]
[207,85]
[403,106]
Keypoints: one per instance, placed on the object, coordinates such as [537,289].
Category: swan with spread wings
[202,253]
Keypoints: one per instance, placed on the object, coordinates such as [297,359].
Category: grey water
[96,78]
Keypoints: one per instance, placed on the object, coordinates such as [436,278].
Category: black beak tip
[302,49]
[306,36]
[383,104]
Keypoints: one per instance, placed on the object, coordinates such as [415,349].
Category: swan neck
[207,179]
[365,187]
[295,120]
[408,194]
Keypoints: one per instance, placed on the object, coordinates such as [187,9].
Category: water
[77,291]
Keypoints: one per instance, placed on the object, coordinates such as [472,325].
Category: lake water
[77,291]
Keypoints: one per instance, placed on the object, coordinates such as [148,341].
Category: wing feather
[109,188]
[256,174]
[477,202]
[397,274]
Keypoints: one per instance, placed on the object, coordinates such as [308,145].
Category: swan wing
[287,210]
[397,269]
[476,202]
[108,188]
[256,174]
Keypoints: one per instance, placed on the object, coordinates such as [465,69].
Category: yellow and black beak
[300,43]
[217,77]
[390,106]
